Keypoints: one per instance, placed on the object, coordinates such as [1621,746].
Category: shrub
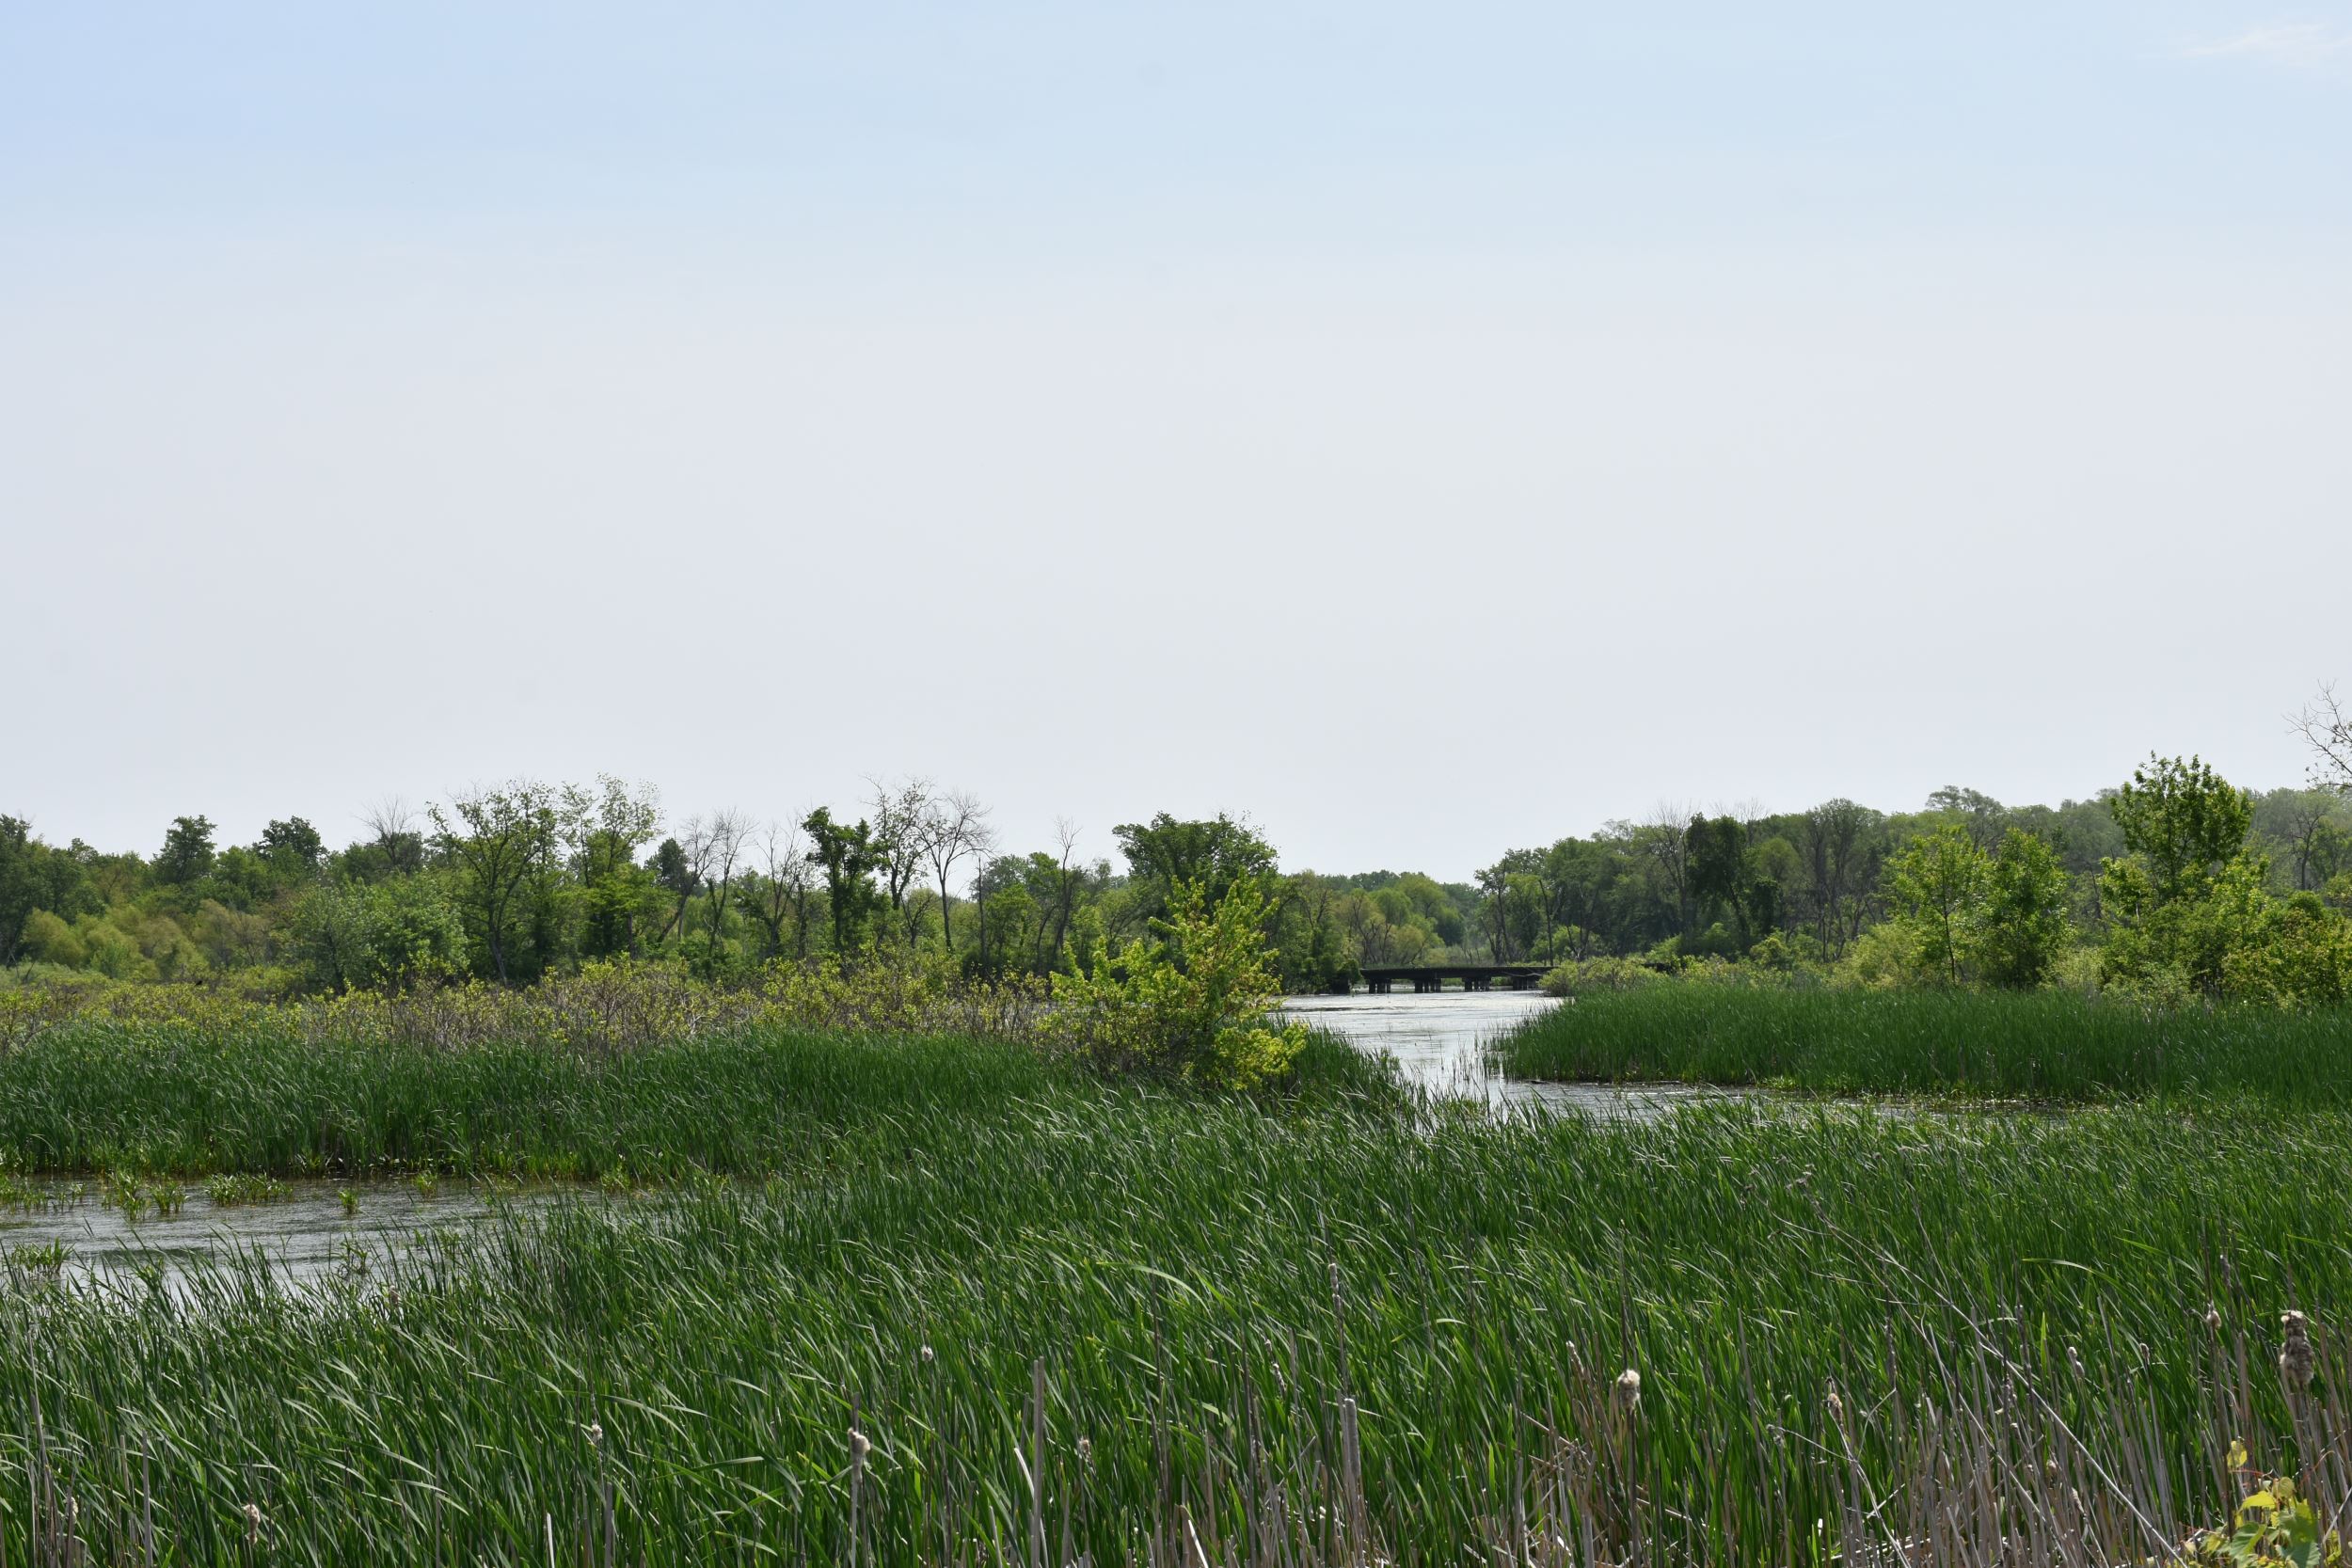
[1587,974]
[1196,1005]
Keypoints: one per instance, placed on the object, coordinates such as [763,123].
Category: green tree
[496,838]
[188,852]
[35,876]
[605,829]
[1216,855]
[2186,902]
[291,847]
[850,857]
[2022,927]
[2184,820]
[347,935]
[1939,883]
[1984,817]
[1728,880]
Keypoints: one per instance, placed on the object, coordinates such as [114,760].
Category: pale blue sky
[1113,408]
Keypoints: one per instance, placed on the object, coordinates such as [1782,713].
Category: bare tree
[389,819]
[2326,729]
[395,831]
[781,893]
[902,825]
[728,832]
[1065,891]
[682,875]
[956,825]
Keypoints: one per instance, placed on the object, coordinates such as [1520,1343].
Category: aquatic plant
[1132,1321]
[2041,1045]
[229,1190]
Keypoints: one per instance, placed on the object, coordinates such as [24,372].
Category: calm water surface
[1443,1041]
[306,1238]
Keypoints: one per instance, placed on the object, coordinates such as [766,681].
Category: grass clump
[235,1190]
[2040,1045]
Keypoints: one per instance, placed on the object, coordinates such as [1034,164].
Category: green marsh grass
[100,1096]
[1132,1325]
[2045,1045]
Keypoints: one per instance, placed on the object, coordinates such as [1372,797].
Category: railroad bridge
[1381,979]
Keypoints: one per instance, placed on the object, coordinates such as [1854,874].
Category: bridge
[1427,978]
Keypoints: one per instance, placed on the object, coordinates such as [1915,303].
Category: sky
[1426,429]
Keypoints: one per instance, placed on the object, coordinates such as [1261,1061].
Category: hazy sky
[1427,429]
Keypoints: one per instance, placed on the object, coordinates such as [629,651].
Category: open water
[1444,1041]
[305,1238]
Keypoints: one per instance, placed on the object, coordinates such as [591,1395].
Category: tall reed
[2046,1045]
[1142,1326]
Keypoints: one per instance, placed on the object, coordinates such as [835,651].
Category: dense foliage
[2173,885]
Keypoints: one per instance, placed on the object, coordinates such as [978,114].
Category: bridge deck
[1379,978]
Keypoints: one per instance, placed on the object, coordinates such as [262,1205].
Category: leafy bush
[1579,976]
[1196,1005]
[2276,1527]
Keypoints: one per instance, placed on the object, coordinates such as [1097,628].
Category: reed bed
[107,1095]
[2045,1045]
[641,1076]
[1082,1322]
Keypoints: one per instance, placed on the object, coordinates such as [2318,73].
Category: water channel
[1443,1041]
[309,1236]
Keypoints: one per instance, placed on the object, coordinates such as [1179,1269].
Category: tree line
[2174,881]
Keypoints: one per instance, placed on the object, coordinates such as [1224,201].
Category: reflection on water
[1442,1041]
[308,1237]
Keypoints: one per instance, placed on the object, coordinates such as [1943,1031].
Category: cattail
[859,1447]
[596,1434]
[1629,1390]
[2074,1360]
[2295,1361]
[2213,1320]
[252,1522]
[926,1353]
[1085,1452]
[1836,1406]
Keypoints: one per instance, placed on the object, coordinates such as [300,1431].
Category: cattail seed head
[596,1434]
[1836,1406]
[859,1447]
[926,1353]
[2213,1320]
[253,1523]
[1086,1450]
[1628,1394]
[2294,1360]
[2074,1360]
